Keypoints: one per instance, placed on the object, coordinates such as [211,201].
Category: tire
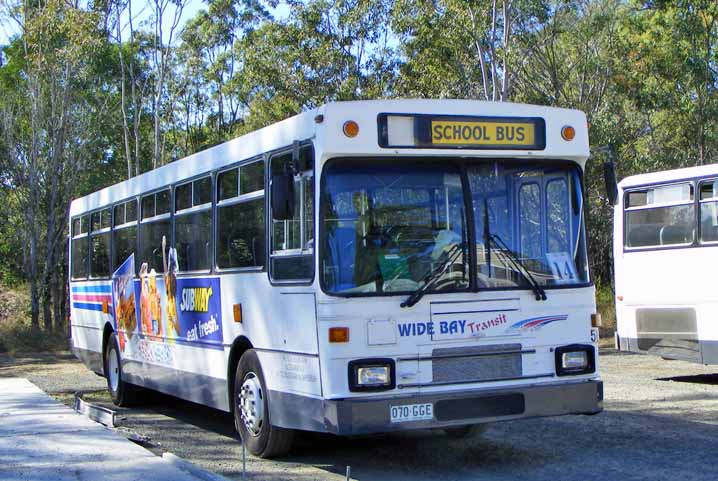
[466,432]
[123,394]
[251,411]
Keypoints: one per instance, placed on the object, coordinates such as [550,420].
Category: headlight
[371,375]
[575,359]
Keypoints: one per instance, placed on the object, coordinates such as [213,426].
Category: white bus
[665,233]
[359,268]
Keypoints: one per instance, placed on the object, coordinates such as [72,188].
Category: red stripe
[539,321]
[92,297]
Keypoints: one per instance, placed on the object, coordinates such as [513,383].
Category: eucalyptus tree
[462,48]
[44,127]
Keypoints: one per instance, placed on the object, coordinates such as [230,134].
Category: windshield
[385,228]
[393,228]
[532,213]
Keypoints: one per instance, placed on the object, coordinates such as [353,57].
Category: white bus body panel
[675,284]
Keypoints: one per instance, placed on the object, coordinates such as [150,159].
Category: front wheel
[251,411]
[122,393]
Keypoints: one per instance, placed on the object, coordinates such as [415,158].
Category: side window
[80,247]
[240,217]
[292,240]
[659,216]
[193,225]
[155,225]
[124,232]
[100,244]
[709,210]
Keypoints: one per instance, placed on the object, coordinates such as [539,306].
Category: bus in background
[362,267]
[665,237]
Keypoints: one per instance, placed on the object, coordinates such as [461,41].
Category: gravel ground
[660,422]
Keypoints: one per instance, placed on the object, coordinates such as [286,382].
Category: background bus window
[240,217]
[193,225]
[100,244]
[660,216]
[124,232]
[80,247]
[292,240]
[156,224]
[709,210]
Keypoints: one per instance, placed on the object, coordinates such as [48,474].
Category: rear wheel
[122,393]
[466,432]
[251,411]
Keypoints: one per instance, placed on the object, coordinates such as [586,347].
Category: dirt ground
[660,422]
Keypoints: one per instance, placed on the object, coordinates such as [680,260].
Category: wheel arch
[106,333]
[239,346]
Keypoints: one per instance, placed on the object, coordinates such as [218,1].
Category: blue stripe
[101,288]
[88,307]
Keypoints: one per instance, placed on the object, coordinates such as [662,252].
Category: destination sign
[482,133]
[461,132]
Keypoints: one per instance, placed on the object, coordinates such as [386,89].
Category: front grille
[463,369]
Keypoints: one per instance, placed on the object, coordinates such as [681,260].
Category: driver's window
[292,240]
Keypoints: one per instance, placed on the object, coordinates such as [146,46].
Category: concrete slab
[42,439]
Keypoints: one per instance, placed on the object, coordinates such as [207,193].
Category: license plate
[411,412]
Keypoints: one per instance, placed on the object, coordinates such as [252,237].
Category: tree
[44,129]
[461,48]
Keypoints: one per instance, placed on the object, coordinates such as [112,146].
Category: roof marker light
[568,132]
[351,128]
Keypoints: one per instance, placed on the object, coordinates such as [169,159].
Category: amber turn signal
[351,128]
[338,334]
[568,132]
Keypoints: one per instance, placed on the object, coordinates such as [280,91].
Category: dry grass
[16,333]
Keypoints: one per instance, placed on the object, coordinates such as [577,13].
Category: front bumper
[371,415]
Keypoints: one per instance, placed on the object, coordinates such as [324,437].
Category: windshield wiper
[433,275]
[539,291]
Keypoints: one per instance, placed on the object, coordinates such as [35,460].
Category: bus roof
[328,132]
[669,175]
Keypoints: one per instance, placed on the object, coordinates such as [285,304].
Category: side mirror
[609,176]
[282,196]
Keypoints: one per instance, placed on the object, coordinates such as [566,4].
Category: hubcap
[251,404]
[114,369]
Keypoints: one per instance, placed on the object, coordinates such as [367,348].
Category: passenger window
[124,234]
[80,248]
[100,244]
[155,226]
[709,210]
[292,240]
[240,217]
[659,216]
[193,229]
